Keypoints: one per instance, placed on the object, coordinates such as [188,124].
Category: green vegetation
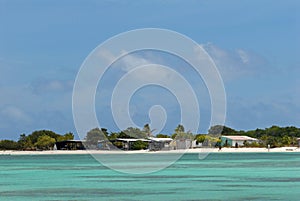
[218,129]
[274,136]
[94,136]
[200,138]
[138,145]
[147,130]
[45,142]
[162,136]
[9,145]
[135,133]
[37,140]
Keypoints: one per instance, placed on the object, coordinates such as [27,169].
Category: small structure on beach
[298,140]
[70,145]
[81,145]
[129,142]
[236,141]
[157,144]
[183,143]
[196,144]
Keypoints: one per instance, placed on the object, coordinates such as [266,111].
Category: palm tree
[148,130]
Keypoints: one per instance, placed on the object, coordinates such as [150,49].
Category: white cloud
[106,55]
[166,77]
[45,86]
[238,63]
[244,56]
[130,62]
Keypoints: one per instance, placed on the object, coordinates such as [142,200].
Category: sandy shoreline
[199,150]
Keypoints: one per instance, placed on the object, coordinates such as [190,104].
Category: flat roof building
[128,142]
[236,140]
[70,145]
[157,144]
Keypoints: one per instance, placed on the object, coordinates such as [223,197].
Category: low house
[69,145]
[298,139]
[128,142]
[196,144]
[157,144]
[81,145]
[183,143]
[233,140]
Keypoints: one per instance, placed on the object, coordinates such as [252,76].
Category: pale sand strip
[199,150]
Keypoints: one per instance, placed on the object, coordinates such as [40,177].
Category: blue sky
[255,45]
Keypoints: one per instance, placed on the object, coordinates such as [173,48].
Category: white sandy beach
[199,150]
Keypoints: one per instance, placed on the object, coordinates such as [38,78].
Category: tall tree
[45,142]
[135,133]
[33,137]
[93,137]
[219,129]
[67,136]
[147,130]
[179,129]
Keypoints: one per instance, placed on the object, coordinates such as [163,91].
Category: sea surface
[220,176]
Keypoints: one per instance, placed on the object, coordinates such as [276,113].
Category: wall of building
[223,141]
[183,144]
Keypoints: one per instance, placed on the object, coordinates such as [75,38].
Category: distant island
[142,139]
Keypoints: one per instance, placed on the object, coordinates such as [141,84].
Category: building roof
[73,141]
[132,140]
[240,138]
[156,139]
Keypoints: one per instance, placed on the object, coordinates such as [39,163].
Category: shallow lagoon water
[220,176]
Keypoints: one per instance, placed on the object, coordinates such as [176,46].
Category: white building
[233,140]
[183,143]
[157,144]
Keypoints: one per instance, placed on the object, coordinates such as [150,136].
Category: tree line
[37,140]
[97,135]
[274,136]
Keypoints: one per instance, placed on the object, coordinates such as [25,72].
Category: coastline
[198,150]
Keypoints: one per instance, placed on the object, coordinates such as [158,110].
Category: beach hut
[298,139]
[232,140]
[128,142]
[183,143]
[70,145]
[196,144]
[157,144]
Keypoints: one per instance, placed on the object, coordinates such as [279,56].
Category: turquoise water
[222,176]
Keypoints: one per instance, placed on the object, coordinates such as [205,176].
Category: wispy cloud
[130,61]
[41,86]
[237,63]
[139,69]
